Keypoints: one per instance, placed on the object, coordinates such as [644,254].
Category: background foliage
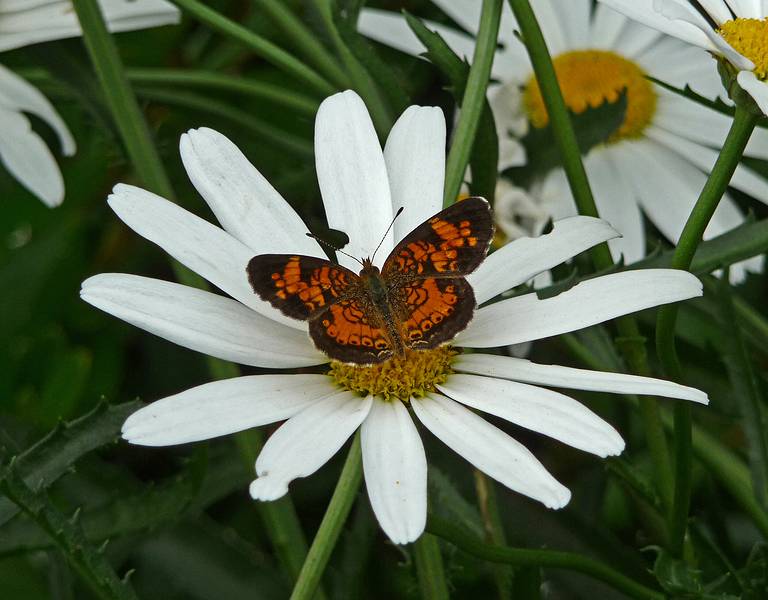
[178,521]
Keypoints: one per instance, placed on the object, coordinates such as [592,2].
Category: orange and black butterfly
[419,299]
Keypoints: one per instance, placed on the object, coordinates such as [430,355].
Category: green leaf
[90,563]
[484,158]
[747,390]
[56,453]
[676,576]
[448,503]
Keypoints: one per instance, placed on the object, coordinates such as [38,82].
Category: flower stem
[632,346]
[429,568]
[211,80]
[361,80]
[120,98]
[485,490]
[260,46]
[539,558]
[330,528]
[473,101]
[305,41]
[741,129]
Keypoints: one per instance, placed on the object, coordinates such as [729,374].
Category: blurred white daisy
[360,186]
[23,22]
[735,30]
[657,160]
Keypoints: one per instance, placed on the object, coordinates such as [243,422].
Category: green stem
[539,558]
[633,347]
[227,83]
[473,101]
[733,148]
[330,527]
[429,568]
[260,46]
[261,129]
[361,80]
[485,490]
[305,41]
[120,98]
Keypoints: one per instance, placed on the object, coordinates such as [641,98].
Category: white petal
[551,27]
[749,9]
[395,469]
[575,18]
[606,27]
[744,179]
[18,94]
[353,176]
[616,203]
[415,159]
[644,12]
[593,301]
[201,321]
[489,449]
[538,409]
[28,159]
[755,88]
[244,202]
[197,244]
[223,407]
[306,442]
[519,369]
[521,259]
[33,22]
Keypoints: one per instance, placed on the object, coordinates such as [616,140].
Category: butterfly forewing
[299,286]
[451,243]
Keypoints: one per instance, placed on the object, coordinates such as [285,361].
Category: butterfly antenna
[332,247]
[383,237]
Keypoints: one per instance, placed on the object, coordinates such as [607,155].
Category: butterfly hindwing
[299,286]
[451,243]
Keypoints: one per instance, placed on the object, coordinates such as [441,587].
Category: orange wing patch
[299,285]
[436,310]
[345,332]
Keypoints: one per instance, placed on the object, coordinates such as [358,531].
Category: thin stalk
[259,45]
[227,83]
[429,568]
[146,161]
[633,347]
[540,558]
[330,527]
[473,101]
[120,98]
[733,148]
[305,41]
[485,490]
[297,145]
[361,80]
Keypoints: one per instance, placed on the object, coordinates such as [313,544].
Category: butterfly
[419,299]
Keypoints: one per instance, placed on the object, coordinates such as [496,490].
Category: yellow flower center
[399,378]
[588,79]
[749,37]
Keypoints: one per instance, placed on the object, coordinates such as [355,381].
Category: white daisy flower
[655,163]
[735,30]
[25,22]
[361,187]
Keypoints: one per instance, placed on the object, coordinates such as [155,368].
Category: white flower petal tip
[755,88]
[267,488]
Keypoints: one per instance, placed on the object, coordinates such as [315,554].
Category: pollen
[399,378]
[590,78]
[749,37]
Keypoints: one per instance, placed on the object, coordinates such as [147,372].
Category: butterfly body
[419,299]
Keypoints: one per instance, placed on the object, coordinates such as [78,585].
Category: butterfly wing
[327,295]
[452,243]
[299,286]
[426,272]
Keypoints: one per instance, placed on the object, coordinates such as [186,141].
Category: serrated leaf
[676,576]
[446,502]
[52,456]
